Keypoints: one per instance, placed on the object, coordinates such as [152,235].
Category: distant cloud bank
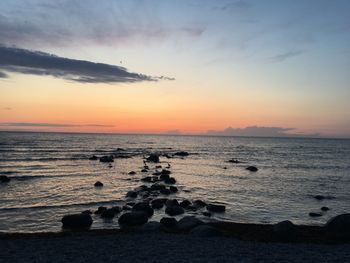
[25,61]
[260,132]
[51,125]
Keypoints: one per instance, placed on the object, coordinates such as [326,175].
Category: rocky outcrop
[339,225]
[76,221]
[135,218]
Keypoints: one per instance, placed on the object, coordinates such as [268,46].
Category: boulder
[131,173]
[199,203]
[108,213]
[172,202]
[4,179]
[143,207]
[157,203]
[324,208]
[185,203]
[170,180]
[169,222]
[106,159]
[147,179]
[87,212]
[165,191]
[173,189]
[144,171]
[100,210]
[134,218]
[216,208]
[207,214]
[98,184]
[181,153]
[252,168]
[93,158]
[186,223]
[174,210]
[339,225]
[153,158]
[117,209]
[205,231]
[126,207]
[131,194]
[76,221]
[285,230]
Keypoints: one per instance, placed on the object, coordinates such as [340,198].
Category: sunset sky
[176,66]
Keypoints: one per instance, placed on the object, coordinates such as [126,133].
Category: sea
[51,176]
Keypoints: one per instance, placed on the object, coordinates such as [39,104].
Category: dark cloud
[286,55]
[38,63]
[41,124]
[256,131]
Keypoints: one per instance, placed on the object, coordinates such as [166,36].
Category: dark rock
[135,218]
[87,212]
[182,154]
[157,187]
[172,202]
[143,207]
[174,210]
[75,221]
[165,172]
[199,203]
[4,179]
[108,213]
[339,225]
[98,184]
[192,208]
[324,208]
[285,230]
[312,214]
[252,168]
[153,158]
[126,207]
[132,173]
[131,194]
[169,222]
[207,214]
[158,166]
[116,209]
[100,210]
[106,159]
[185,203]
[151,227]
[321,197]
[170,180]
[157,203]
[147,179]
[186,223]
[216,208]
[165,191]
[144,171]
[205,231]
[173,189]
[130,203]
[234,161]
[93,158]
[157,173]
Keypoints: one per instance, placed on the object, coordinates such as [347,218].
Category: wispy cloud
[7,108]
[259,132]
[42,124]
[286,55]
[38,63]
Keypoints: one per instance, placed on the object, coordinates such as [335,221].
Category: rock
[144,171]
[131,194]
[108,213]
[205,231]
[116,209]
[199,203]
[87,212]
[76,221]
[324,208]
[100,210]
[132,173]
[216,208]
[234,161]
[186,223]
[147,179]
[126,207]
[207,214]
[4,179]
[182,154]
[169,222]
[157,187]
[98,184]
[170,180]
[151,227]
[339,225]
[106,159]
[158,167]
[165,191]
[143,207]
[153,158]
[172,202]
[312,214]
[133,218]
[93,158]
[173,189]
[157,203]
[174,210]
[252,168]
[321,197]
[285,230]
[185,203]
[165,172]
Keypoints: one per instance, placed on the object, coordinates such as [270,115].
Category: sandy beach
[102,246]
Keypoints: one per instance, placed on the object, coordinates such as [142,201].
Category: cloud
[42,124]
[286,55]
[3,75]
[39,63]
[236,6]
[7,108]
[256,131]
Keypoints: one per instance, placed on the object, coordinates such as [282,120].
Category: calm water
[52,176]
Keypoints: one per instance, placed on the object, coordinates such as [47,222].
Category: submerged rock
[181,153]
[312,214]
[153,158]
[76,221]
[106,159]
[134,218]
[4,179]
[252,168]
[131,194]
[233,161]
[93,158]
[322,197]
[216,208]
[98,184]
[324,208]
[132,173]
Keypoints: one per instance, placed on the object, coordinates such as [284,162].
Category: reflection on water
[52,176]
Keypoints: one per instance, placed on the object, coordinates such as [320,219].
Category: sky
[270,68]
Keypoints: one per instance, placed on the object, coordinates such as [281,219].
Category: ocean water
[51,176]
